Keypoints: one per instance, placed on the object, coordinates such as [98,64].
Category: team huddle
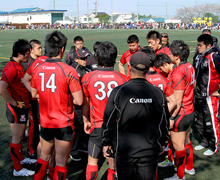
[83,104]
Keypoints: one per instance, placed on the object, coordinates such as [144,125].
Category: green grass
[207,168]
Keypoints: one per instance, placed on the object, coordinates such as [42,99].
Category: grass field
[207,168]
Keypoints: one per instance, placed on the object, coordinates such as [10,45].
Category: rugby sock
[15,155]
[40,169]
[91,172]
[189,156]
[180,163]
[60,173]
[111,174]
[51,172]
[30,134]
[156,174]
[170,151]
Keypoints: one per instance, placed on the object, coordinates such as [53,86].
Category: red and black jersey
[126,59]
[97,85]
[159,81]
[27,64]
[35,64]
[182,77]
[12,74]
[164,50]
[55,81]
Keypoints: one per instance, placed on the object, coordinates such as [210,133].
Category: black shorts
[35,111]
[16,115]
[183,122]
[64,134]
[93,150]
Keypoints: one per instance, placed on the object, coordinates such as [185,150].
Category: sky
[159,8]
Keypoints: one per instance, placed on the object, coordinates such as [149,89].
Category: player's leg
[111,169]
[47,147]
[30,134]
[51,166]
[212,124]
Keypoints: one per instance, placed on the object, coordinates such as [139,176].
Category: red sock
[40,169]
[30,133]
[60,173]
[15,151]
[189,156]
[180,163]
[91,172]
[51,172]
[156,174]
[111,174]
[170,151]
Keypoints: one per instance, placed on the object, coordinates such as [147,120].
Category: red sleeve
[123,59]
[73,81]
[85,85]
[9,74]
[169,90]
[29,70]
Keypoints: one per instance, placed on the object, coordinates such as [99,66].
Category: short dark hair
[154,35]
[160,59]
[20,46]
[54,43]
[206,38]
[33,42]
[78,38]
[181,49]
[206,30]
[132,39]
[106,54]
[165,35]
[150,53]
[96,45]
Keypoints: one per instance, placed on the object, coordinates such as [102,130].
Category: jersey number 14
[50,82]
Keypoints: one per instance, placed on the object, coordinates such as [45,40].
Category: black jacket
[142,116]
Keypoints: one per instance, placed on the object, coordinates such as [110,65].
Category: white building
[122,17]
[31,16]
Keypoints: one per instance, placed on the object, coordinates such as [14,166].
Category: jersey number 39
[102,89]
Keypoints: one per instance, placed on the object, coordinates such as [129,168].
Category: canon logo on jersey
[44,67]
[105,76]
[140,100]
[155,79]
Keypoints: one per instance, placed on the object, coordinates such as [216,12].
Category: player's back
[97,85]
[183,78]
[54,82]
[160,82]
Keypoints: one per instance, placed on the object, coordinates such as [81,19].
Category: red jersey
[159,81]
[182,77]
[97,85]
[126,59]
[55,81]
[12,74]
[164,50]
[35,64]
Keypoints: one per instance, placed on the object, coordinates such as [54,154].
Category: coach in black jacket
[139,113]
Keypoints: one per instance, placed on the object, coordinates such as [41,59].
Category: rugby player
[97,86]
[13,91]
[33,133]
[182,81]
[55,83]
[165,40]
[138,111]
[207,95]
[133,44]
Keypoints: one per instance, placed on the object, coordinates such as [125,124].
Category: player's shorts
[16,115]
[35,111]
[183,122]
[63,134]
[95,143]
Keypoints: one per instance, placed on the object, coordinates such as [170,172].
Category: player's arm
[5,94]
[78,98]
[121,68]
[171,102]
[27,81]
[34,93]
[85,115]
[179,98]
